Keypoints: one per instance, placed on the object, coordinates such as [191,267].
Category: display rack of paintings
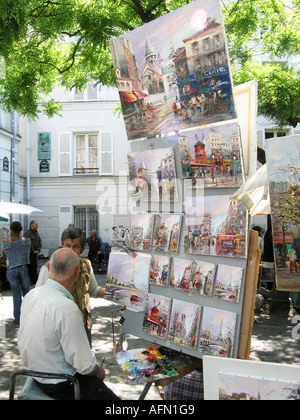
[181,272]
[159,270]
[215,226]
[127,279]
[141,231]
[228,283]
[184,323]
[173,72]
[203,276]
[167,233]
[217,332]
[212,155]
[156,316]
[152,175]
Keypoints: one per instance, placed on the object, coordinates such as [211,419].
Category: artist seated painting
[52,337]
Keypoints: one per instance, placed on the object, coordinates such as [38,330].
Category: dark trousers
[94,255]
[91,388]
[32,267]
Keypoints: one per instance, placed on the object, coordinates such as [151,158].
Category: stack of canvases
[187,277]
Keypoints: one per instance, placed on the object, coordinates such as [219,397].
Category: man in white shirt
[52,337]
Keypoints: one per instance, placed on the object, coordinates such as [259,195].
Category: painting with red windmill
[211,156]
[156,316]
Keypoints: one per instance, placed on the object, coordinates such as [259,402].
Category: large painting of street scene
[152,175]
[215,226]
[173,72]
[283,162]
[127,280]
[211,156]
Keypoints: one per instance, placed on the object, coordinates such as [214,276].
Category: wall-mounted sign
[44,166]
[44,146]
[5,164]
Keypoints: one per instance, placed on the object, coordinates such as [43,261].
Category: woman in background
[17,251]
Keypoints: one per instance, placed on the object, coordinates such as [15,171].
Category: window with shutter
[106,154]
[64,147]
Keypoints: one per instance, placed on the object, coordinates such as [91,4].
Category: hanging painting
[152,175]
[228,283]
[203,275]
[217,332]
[159,270]
[181,272]
[215,225]
[156,316]
[211,156]
[184,323]
[173,72]
[167,233]
[283,162]
[127,279]
[141,231]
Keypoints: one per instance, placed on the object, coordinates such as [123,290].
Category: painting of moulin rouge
[215,226]
[156,316]
[212,156]
[283,160]
[173,72]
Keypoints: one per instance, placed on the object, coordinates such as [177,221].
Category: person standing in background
[36,245]
[17,251]
[96,248]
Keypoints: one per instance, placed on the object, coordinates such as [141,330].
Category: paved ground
[272,341]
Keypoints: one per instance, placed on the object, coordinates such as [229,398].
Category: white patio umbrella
[7,207]
[254,193]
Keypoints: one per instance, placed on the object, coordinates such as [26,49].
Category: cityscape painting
[184,323]
[156,318]
[152,175]
[228,283]
[203,276]
[215,226]
[127,280]
[283,162]
[211,156]
[173,72]
[181,273]
[159,270]
[167,233]
[217,332]
[141,231]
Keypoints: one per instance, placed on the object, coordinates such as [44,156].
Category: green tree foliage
[48,42]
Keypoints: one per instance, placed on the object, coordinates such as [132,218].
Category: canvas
[228,283]
[167,233]
[127,280]
[215,225]
[212,155]
[181,273]
[217,332]
[156,317]
[141,231]
[250,388]
[152,175]
[159,270]
[283,162]
[203,276]
[184,323]
[173,72]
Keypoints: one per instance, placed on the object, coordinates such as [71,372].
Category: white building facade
[75,165]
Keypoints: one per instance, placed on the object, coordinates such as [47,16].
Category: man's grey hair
[63,262]
[73,232]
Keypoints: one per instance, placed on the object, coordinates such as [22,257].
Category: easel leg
[145,391]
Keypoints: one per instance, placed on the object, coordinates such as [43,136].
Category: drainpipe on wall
[13,157]
[28,164]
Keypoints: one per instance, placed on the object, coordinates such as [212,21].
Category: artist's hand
[101,373]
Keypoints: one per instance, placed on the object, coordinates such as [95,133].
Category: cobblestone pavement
[272,341]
